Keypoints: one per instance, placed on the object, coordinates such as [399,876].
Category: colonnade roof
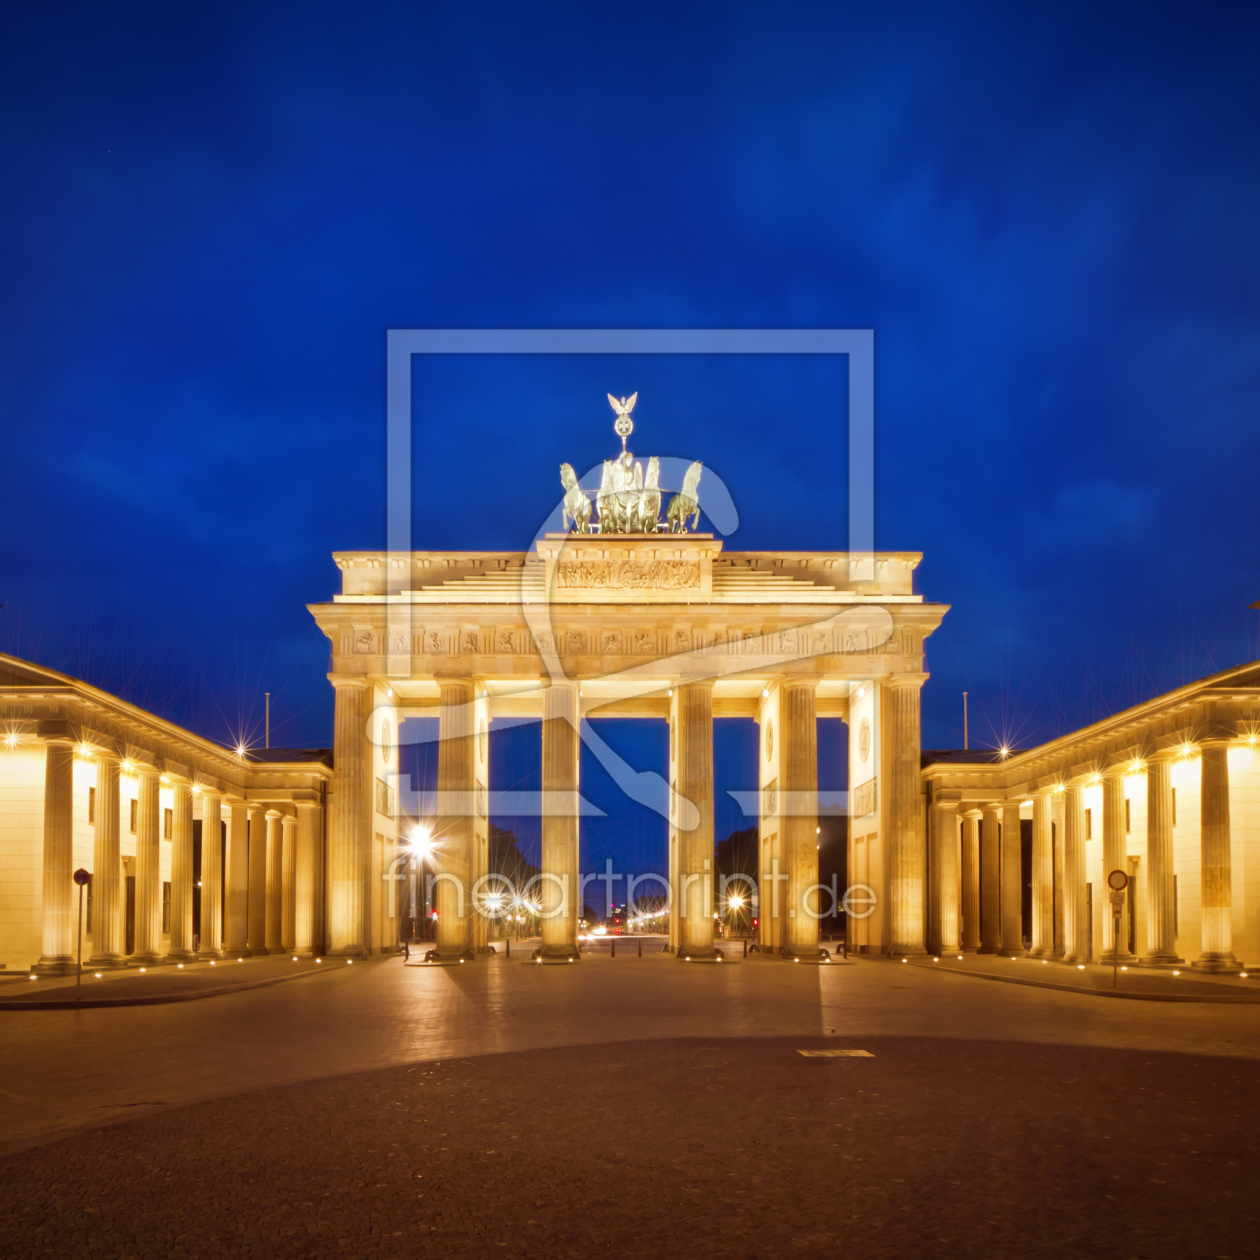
[39,703]
[1224,706]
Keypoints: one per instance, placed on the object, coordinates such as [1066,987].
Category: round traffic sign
[1117,881]
[82,877]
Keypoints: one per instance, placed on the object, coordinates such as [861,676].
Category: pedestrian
[406,951]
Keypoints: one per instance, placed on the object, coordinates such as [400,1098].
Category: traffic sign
[1117,898]
[1117,881]
[82,877]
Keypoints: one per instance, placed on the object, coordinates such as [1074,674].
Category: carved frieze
[866,798]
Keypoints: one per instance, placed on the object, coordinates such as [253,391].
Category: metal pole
[1115,966]
[78,980]
[966,742]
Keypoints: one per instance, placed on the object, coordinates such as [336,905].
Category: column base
[346,951]
[1218,964]
[305,951]
[556,954]
[816,954]
[146,960]
[1109,959]
[55,966]
[699,955]
[214,953]
[907,951]
[180,956]
[969,949]
[1161,959]
[106,962]
[1012,953]
[1074,960]
[988,949]
[1042,951]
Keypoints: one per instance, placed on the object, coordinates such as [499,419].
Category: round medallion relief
[671,741]
[387,741]
[481,741]
[864,739]
[769,740]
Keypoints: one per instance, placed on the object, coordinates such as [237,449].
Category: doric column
[907,855]
[946,880]
[691,712]
[990,880]
[1057,832]
[347,846]
[1075,925]
[304,858]
[1012,895]
[1042,878]
[275,883]
[236,898]
[211,874]
[60,924]
[1216,874]
[559,893]
[181,943]
[257,901]
[148,951]
[288,891]
[1161,945]
[107,899]
[453,855]
[1115,849]
[971,881]
[799,816]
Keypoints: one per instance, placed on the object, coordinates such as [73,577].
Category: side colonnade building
[1167,792]
[194,850]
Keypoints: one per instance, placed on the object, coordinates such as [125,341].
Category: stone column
[236,911]
[107,885]
[971,881]
[1160,892]
[61,903]
[691,711]
[946,880]
[559,892]
[275,883]
[453,852]
[1042,879]
[990,880]
[1012,893]
[211,875]
[1057,832]
[799,816]
[1115,849]
[288,891]
[181,944]
[304,857]
[148,951]
[907,855]
[1214,842]
[257,880]
[348,840]
[1075,926]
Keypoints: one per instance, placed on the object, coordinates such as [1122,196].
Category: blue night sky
[1048,215]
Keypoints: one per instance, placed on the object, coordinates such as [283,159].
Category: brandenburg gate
[622,615]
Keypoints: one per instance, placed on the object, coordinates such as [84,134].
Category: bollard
[640,947]
[745,947]
[613,952]
[507,948]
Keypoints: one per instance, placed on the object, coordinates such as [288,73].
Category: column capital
[973,813]
[305,804]
[354,682]
[273,813]
[904,680]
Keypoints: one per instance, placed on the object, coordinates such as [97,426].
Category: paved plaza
[631,1104]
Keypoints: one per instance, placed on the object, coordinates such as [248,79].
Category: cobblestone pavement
[66,1071]
[704,1147]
